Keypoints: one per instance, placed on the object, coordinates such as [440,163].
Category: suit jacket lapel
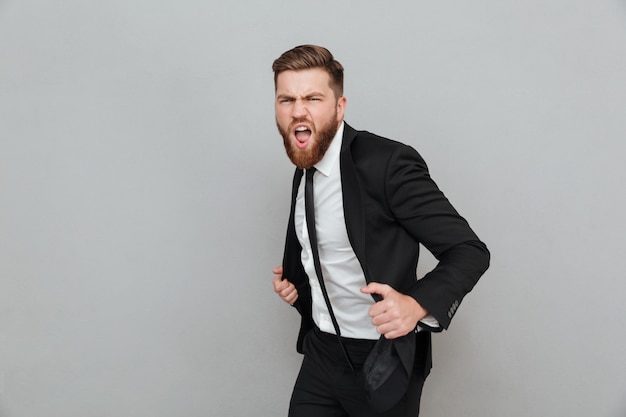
[353,199]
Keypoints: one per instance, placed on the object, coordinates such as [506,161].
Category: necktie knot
[310,172]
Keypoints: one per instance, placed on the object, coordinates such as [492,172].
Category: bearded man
[349,266]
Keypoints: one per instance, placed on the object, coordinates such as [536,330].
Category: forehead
[302,81]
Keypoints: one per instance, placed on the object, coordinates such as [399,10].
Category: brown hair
[311,56]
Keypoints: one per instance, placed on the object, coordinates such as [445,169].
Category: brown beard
[306,158]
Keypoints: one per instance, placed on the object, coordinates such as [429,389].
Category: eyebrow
[309,95]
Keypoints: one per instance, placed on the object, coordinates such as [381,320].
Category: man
[374,203]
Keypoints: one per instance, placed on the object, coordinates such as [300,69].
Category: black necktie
[309,208]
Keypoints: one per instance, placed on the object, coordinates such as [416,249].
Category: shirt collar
[325,166]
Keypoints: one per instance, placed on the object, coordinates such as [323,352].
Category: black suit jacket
[391,205]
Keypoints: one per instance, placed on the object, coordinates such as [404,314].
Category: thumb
[376,288]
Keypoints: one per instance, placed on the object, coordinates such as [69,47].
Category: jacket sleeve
[426,214]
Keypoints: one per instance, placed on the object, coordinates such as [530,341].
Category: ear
[341,108]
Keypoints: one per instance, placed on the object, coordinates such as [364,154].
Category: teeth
[301,129]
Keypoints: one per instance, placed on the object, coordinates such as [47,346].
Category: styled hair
[311,56]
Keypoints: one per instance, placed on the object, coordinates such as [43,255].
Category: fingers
[385,315]
[396,315]
[278,270]
[385,291]
[390,325]
[285,289]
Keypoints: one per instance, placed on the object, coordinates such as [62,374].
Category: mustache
[301,120]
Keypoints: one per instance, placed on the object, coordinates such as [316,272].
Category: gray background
[144,194]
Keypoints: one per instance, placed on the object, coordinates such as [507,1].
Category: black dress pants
[327,387]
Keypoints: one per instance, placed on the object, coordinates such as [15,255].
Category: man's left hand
[397,314]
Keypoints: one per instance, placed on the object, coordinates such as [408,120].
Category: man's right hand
[285,289]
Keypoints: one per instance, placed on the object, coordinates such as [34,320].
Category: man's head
[309,102]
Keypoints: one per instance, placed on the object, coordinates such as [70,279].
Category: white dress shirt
[341,269]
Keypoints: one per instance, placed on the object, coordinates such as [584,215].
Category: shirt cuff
[429,324]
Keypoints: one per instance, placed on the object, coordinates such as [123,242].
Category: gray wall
[144,193]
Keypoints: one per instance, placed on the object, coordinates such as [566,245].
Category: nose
[299,109]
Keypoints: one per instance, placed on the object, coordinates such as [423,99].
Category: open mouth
[302,134]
